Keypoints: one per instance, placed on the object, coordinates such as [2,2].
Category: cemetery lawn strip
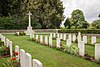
[50,57]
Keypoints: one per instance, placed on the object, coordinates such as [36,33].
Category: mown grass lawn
[48,56]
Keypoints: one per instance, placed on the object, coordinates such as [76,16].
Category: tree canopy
[45,13]
[78,19]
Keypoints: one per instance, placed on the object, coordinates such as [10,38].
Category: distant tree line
[77,21]
[45,13]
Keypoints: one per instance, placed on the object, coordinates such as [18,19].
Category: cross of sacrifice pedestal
[29,28]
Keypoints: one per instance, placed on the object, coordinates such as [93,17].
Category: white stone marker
[28,60]
[17,50]
[11,52]
[22,58]
[93,39]
[58,43]
[37,37]
[3,39]
[79,38]
[74,37]
[7,42]
[61,36]
[81,48]
[46,40]
[41,39]
[31,36]
[85,39]
[97,51]
[54,35]
[50,41]
[64,37]
[50,34]
[29,28]
[37,63]
[68,42]
[57,35]
[69,37]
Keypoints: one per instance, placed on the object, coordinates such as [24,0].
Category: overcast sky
[90,8]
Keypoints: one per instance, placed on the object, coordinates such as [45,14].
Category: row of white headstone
[7,43]
[26,59]
[81,42]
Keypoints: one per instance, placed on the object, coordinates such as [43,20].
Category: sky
[90,8]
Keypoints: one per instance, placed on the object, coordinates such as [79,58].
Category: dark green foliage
[20,34]
[67,23]
[83,31]
[45,13]
[4,51]
[1,43]
[96,24]
[78,19]
[71,50]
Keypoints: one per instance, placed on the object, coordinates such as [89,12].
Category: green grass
[48,56]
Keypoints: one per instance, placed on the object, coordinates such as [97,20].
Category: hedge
[84,31]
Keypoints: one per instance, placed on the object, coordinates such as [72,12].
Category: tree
[45,13]
[96,24]
[67,23]
[78,19]
[99,16]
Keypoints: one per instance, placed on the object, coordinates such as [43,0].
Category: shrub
[20,33]
[83,31]
[71,50]
[12,62]
[4,51]
[1,43]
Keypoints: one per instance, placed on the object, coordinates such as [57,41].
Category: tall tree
[67,23]
[99,16]
[96,24]
[78,19]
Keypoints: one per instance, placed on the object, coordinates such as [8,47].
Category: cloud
[90,8]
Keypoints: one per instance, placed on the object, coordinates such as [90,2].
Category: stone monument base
[29,30]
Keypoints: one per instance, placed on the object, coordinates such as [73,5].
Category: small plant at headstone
[71,50]
[1,43]
[4,51]
[12,62]
[33,39]
[20,33]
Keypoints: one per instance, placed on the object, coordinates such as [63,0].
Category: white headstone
[22,58]
[7,42]
[17,50]
[68,42]
[97,51]
[79,38]
[61,36]
[58,43]
[11,52]
[93,39]
[69,37]
[37,37]
[54,35]
[31,36]
[50,34]
[57,35]
[46,40]
[85,39]
[37,63]
[41,39]
[64,37]
[74,37]
[50,41]
[28,62]
[81,48]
